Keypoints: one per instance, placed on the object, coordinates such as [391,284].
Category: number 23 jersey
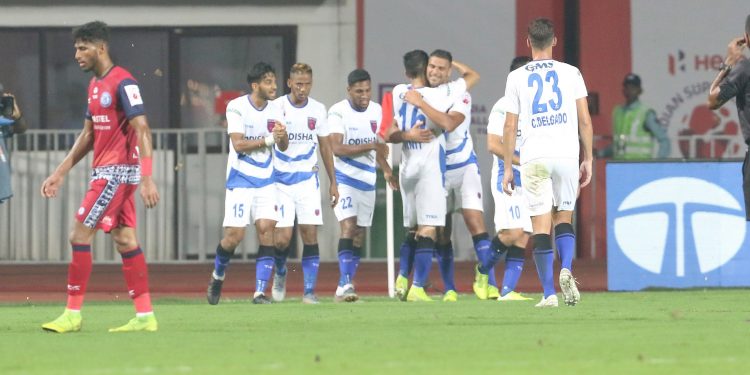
[544,92]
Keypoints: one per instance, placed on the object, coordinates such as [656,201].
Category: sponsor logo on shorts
[317,212]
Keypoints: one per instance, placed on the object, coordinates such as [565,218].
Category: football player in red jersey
[117,131]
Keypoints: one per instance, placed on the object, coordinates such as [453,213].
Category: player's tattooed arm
[469,75]
[719,94]
[149,192]
[84,143]
[446,121]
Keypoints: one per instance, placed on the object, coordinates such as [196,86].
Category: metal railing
[189,168]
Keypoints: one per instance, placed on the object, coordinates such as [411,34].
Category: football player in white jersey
[422,169]
[354,123]
[254,125]
[462,182]
[512,221]
[296,174]
[551,98]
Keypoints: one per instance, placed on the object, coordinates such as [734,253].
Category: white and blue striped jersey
[495,126]
[358,127]
[459,147]
[544,92]
[304,125]
[254,169]
[442,98]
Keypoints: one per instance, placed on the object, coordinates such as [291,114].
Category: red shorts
[108,205]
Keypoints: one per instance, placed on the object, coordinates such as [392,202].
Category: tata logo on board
[670,226]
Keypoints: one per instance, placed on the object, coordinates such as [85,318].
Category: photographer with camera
[11,123]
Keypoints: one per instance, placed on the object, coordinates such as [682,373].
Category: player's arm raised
[84,143]
[469,75]
[446,121]
[586,133]
[720,93]
[149,192]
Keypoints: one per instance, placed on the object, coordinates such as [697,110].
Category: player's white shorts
[423,198]
[355,202]
[550,183]
[511,211]
[243,206]
[301,199]
[464,186]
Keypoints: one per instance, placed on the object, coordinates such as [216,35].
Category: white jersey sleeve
[335,120]
[234,118]
[496,121]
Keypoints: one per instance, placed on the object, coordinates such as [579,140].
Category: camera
[6,106]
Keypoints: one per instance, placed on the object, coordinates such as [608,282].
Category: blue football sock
[345,260]
[513,269]
[221,261]
[482,248]
[565,240]
[445,262]
[279,259]
[356,255]
[543,257]
[495,254]
[310,266]
[406,255]
[263,267]
[423,260]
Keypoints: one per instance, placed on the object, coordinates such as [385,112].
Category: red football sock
[79,271]
[136,276]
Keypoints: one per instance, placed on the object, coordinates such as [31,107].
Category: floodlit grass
[661,332]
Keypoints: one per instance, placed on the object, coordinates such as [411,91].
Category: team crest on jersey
[270,124]
[105,100]
[374,126]
[311,121]
[317,212]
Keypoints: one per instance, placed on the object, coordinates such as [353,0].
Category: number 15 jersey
[544,92]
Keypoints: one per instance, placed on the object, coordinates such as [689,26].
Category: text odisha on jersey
[557,118]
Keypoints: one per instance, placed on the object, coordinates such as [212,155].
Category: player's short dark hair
[357,75]
[96,31]
[518,62]
[415,63]
[541,33]
[258,71]
[442,54]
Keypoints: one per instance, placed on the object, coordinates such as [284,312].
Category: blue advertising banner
[676,225]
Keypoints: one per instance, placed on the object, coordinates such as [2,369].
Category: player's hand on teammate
[279,132]
[414,98]
[734,51]
[391,180]
[508,182]
[382,150]
[333,191]
[51,185]
[417,134]
[149,193]
[585,173]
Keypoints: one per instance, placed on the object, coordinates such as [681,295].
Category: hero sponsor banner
[677,60]
[676,225]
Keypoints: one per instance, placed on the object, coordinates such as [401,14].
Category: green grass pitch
[660,332]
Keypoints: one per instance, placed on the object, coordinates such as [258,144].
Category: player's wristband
[269,140]
[146,166]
